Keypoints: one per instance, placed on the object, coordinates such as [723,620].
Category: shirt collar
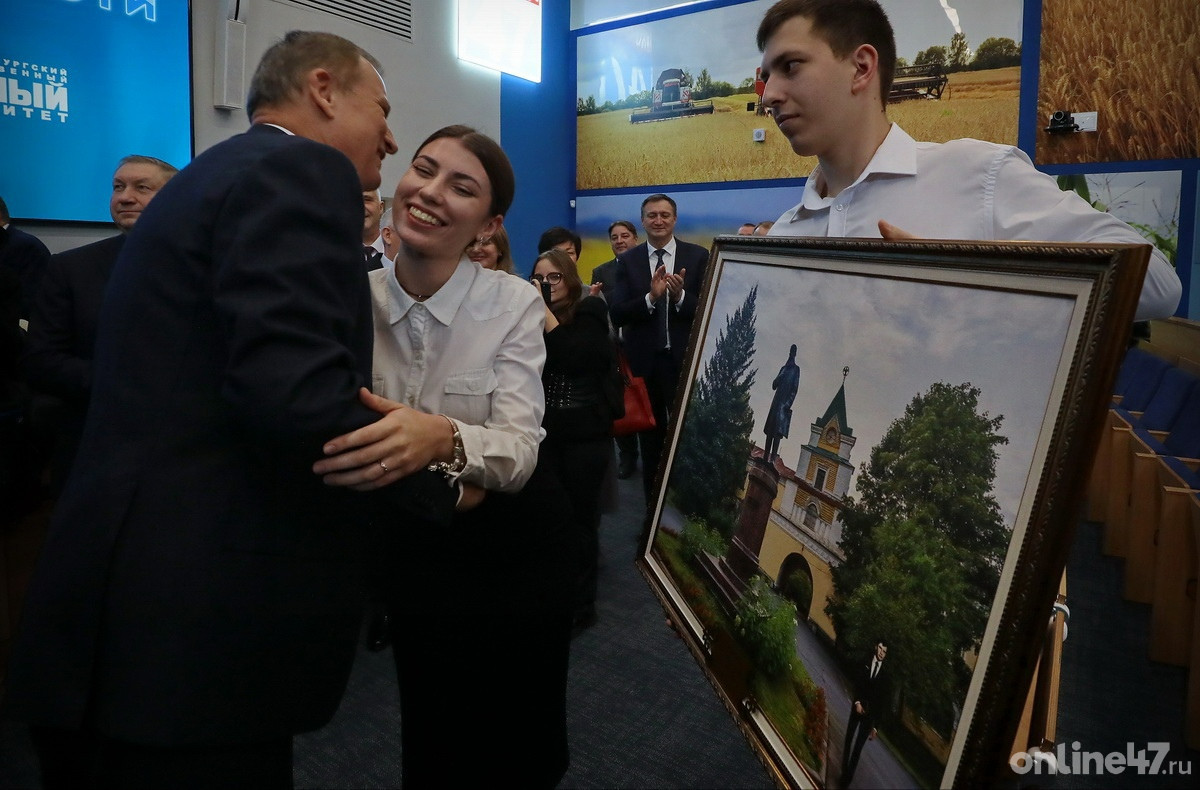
[442,305]
[896,155]
[669,247]
[280,128]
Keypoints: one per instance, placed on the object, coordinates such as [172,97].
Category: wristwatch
[456,464]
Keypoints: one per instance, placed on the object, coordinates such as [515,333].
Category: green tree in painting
[902,598]
[934,56]
[960,53]
[715,440]
[924,541]
[995,53]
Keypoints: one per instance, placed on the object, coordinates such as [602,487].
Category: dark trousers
[661,383]
[582,466]
[82,760]
[858,729]
[481,633]
[482,698]
[627,449]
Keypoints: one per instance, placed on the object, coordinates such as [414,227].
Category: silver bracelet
[455,465]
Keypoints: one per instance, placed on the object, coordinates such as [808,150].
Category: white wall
[427,85]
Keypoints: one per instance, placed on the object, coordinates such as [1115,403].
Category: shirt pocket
[467,396]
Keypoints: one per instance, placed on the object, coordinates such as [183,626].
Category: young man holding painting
[828,67]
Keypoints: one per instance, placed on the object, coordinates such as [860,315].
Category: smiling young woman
[480,616]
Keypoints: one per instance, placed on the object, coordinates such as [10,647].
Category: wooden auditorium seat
[1192,725]
[1137,377]
[1157,419]
[1175,565]
[1171,462]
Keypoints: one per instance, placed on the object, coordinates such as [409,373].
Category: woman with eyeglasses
[480,626]
[583,396]
[492,252]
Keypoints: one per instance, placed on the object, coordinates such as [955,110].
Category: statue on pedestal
[779,416]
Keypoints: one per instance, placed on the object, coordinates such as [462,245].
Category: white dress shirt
[474,352]
[972,190]
[668,262]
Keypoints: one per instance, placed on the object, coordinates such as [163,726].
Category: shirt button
[840,207]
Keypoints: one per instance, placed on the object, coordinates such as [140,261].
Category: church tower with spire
[822,474]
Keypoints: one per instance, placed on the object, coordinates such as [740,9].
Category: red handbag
[639,416]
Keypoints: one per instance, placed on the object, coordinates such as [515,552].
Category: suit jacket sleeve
[28,257]
[692,258]
[629,288]
[51,362]
[292,294]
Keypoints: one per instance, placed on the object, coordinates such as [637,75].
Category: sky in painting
[898,337]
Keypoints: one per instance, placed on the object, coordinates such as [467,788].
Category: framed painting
[869,488]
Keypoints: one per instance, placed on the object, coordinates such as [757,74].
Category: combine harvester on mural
[672,98]
[926,81]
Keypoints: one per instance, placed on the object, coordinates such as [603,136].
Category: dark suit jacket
[28,257]
[628,305]
[605,274]
[62,338]
[872,692]
[199,583]
[62,328]
[12,392]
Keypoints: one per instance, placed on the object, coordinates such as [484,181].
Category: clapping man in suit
[871,687]
[62,327]
[622,235]
[199,596]
[655,293]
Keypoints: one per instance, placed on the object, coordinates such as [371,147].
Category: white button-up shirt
[971,190]
[474,352]
[668,263]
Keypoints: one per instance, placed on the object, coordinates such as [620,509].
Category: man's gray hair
[167,168]
[281,72]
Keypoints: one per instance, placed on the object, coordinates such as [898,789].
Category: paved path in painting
[877,766]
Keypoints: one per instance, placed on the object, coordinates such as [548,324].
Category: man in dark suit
[871,693]
[23,260]
[199,595]
[622,235]
[62,327]
[371,239]
[655,293]
[24,254]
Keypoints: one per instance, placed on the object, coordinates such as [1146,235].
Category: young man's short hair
[552,237]
[844,25]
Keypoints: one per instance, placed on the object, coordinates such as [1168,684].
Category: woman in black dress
[583,395]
